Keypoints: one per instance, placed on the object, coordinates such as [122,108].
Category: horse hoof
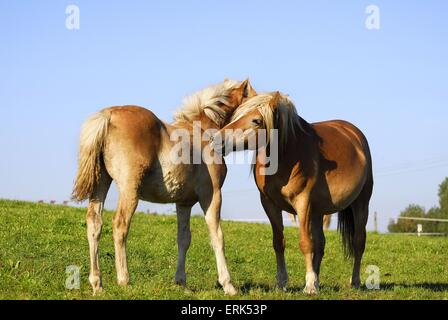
[123,282]
[282,282]
[95,282]
[311,291]
[312,283]
[181,282]
[97,291]
[230,290]
[281,286]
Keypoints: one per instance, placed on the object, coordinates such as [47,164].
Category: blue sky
[391,82]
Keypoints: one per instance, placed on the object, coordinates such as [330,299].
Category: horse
[133,147]
[323,168]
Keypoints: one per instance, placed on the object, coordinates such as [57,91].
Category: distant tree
[442,211]
[416,211]
[434,226]
[402,225]
[443,197]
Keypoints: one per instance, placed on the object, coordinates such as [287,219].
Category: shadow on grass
[246,287]
[435,287]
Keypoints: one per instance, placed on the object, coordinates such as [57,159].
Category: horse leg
[278,240]
[318,238]
[327,220]
[127,204]
[183,241]
[212,209]
[94,222]
[303,209]
[293,219]
[361,213]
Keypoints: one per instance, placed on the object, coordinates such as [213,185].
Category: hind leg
[360,208]
[183,241]
[317,232]
[361,213]
[94,222]
[127,204]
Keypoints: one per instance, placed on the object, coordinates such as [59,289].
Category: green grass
[38,242]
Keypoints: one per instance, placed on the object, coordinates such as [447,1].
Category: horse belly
[168,184]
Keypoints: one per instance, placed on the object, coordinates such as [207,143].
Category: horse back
[329,132]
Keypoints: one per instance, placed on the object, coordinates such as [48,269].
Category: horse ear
[275,100]
[226,79]
[243,86]
[246,89]
[250,91]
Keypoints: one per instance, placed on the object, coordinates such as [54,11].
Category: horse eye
[257,121]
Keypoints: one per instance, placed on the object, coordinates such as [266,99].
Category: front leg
[212,208]
[278,240]
[303,209]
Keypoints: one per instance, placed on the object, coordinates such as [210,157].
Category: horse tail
[346,227]
[93,134]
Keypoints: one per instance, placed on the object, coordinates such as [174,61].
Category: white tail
[93,134]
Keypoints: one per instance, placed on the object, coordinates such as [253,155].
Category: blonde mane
[207,101]
[285,117]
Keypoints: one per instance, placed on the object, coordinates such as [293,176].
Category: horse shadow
[246,287]
[432,286]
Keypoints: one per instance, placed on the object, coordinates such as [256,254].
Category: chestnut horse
[323,168]
[131,146]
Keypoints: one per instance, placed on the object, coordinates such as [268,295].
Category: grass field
[38,242]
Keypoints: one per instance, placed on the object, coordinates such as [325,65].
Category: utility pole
[375,222]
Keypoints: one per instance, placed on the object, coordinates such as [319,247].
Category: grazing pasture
[39,241]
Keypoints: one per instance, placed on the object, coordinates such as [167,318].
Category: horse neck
[302,140]
[195,131]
